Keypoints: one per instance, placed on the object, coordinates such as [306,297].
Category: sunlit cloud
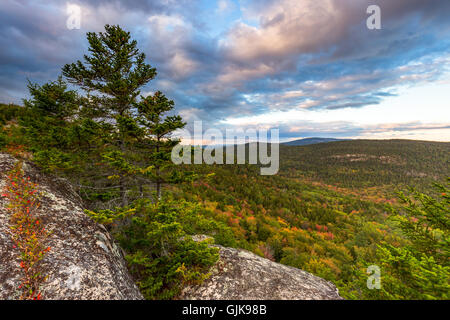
[310,67]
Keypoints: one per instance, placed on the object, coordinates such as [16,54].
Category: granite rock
[84,263]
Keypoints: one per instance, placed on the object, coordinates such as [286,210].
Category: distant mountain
[308,141]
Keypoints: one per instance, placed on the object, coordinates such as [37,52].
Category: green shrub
[160,253]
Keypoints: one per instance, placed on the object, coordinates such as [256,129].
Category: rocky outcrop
[242,275]
[83,263]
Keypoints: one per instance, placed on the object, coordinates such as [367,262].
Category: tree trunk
[158,190]
[158,174]
[123,192]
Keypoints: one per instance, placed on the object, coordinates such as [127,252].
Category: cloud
[225,6]
[289,31]
[263,56]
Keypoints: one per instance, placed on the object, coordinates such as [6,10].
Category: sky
[310,68]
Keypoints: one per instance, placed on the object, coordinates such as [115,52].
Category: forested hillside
[333,209]
[369,163]
[329,208]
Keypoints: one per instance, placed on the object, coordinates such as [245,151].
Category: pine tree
[49,124]
[420,269]
[112,76]
[158,130]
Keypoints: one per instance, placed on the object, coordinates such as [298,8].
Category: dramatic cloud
[226,60]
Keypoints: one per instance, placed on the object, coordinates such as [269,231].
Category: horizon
[300,139]
[309,68]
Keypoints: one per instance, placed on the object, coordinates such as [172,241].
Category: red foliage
[27,233]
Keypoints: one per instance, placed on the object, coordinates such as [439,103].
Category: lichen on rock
[242,275]
[83,263]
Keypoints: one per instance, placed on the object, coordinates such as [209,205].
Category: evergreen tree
[115,143]
[420,270]
[158,132]
[112,77]
[49,124]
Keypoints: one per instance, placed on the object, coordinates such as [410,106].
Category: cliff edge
[83,263]
[242,275]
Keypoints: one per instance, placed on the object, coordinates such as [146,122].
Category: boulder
[83,263]
[242,275]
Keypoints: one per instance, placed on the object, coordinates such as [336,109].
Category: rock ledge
[84,263]
[242,275]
